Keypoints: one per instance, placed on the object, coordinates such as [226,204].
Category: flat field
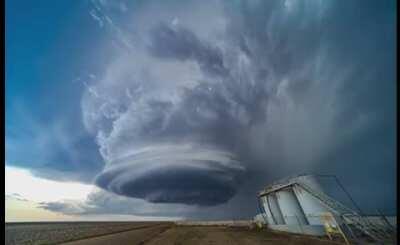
[149,233]
[57,232]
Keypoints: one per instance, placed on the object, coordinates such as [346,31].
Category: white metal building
[298,204]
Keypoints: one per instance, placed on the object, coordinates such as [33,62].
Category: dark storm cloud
[200,188]
[174,174]
[100,202]
[284,87]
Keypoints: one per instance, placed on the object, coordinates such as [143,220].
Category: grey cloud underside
[284,87]
[102,202]
[173,185]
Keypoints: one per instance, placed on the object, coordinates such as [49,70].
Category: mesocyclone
[174,174]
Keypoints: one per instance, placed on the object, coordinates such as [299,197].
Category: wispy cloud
[16,196]
[99,14]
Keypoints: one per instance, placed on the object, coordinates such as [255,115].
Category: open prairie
[57,232]
[161,233]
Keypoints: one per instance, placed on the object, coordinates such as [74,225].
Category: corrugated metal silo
[268,215]
[311,206]
[272,202]
[290,207]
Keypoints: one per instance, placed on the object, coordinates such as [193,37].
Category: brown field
[57,232]
[149,233]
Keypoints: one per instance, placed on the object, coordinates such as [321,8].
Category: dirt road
[182,235]
[136,236]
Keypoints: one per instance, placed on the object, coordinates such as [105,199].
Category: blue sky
[47,48]
[194,106]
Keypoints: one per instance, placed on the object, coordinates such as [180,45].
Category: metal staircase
[379,233]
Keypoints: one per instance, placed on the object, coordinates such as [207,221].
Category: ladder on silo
[376,232]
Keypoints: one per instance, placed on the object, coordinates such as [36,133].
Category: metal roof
[280,184]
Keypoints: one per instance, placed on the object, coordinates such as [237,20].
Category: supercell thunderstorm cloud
[186,109]
[169,130]
[198,96]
